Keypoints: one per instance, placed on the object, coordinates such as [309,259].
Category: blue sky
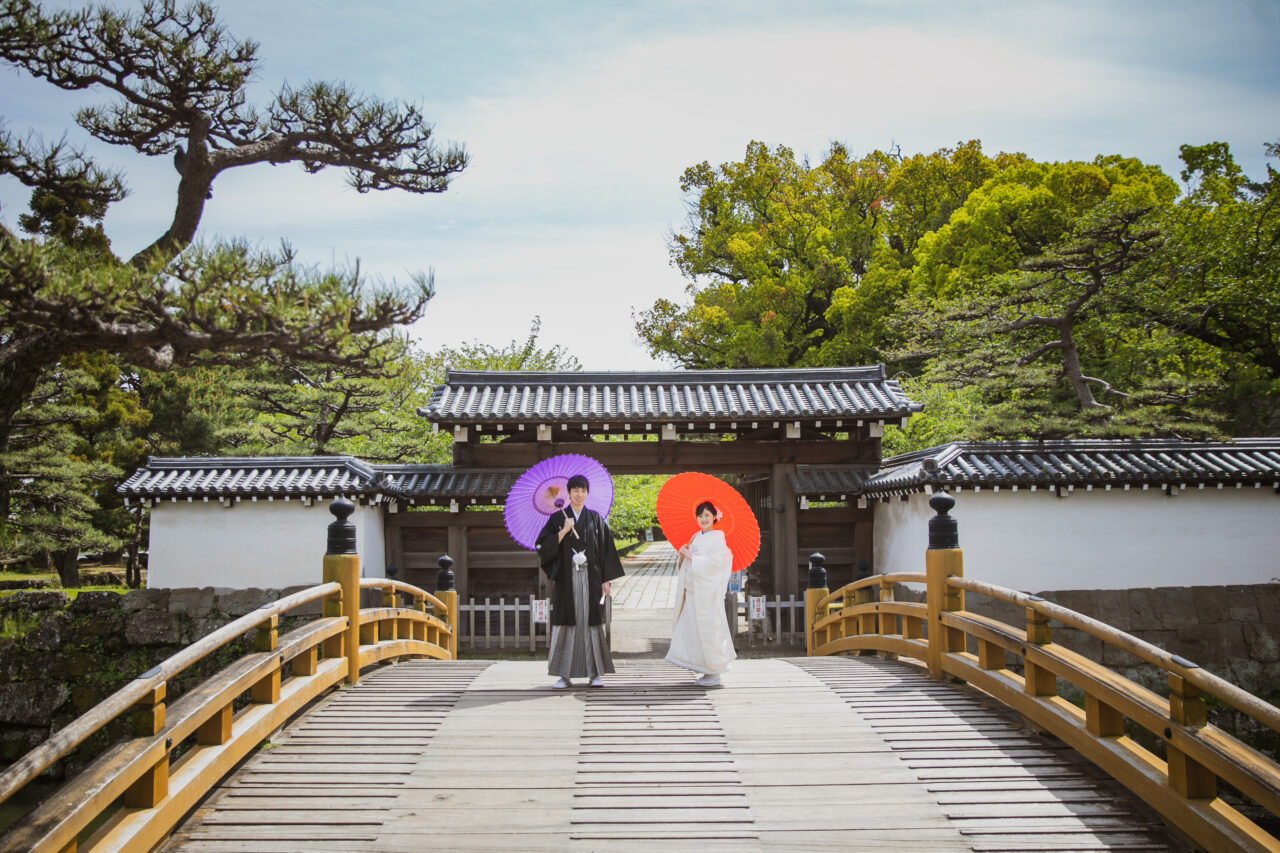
[581,116]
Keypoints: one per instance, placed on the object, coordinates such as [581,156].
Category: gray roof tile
[1081,462]
[832,482]
[291,476]
[698,395]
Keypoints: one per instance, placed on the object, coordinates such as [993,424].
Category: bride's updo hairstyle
[707,506]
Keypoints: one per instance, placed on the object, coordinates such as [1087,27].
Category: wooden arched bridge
[909,725]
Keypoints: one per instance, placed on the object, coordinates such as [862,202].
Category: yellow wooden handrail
[157,792]
[388,584]
[80,729]
[1182,789]
[1242,700]
[872,581]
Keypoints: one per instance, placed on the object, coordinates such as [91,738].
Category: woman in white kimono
[700,639]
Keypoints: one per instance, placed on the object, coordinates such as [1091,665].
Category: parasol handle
[565,511]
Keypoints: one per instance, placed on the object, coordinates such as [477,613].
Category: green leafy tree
[192,409]
[1022,211]
[634,504]
[1053,351]
[51,487]
[308,408]
[1217,279]
[302,408]
[791,263]
[949,414]
[516,355]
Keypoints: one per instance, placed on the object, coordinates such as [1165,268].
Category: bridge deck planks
[807,754]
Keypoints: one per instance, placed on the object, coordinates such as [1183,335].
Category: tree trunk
[133,566]
[1075,374]
[68,567]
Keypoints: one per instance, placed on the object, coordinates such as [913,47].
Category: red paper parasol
[680,496]
[534,495]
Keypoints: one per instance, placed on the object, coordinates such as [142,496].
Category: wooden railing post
[943,559]
[267,690]
[815,592]
[342,564]
[1038,681]
[1186,707]
[388,629]
[867,623]
[888,624]
[447,594]
[419,628]
[148,720]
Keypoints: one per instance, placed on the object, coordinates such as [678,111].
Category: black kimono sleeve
[548,546]
[610,563]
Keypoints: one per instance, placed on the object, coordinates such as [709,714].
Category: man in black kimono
[576,550]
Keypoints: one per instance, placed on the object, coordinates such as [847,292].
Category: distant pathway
[644,603]
[650,582]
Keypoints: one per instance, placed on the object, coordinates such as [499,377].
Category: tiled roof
[443,481]
[830,482]
[298,477]
[276,476]
[1081,463]
[703,396]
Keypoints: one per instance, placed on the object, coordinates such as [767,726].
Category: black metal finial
[817,571]
[444,577]
[944,532]
[342,533]
[392,571]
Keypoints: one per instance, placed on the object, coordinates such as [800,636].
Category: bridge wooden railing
[1183,787]
[131,796]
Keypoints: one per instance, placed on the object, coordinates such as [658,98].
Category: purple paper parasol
[535,493]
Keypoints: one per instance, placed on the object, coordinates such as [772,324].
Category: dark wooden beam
[668,457]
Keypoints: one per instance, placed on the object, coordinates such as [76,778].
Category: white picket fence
[782,625]
[507,624]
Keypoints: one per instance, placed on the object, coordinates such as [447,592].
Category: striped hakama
[579,650]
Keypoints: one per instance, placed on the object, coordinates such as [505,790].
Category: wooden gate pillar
[783,525]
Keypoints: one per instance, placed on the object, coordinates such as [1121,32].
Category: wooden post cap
[342,532]
[817,571]
[944,532]
[444,577]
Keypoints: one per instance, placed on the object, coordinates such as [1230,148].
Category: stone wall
[60,657]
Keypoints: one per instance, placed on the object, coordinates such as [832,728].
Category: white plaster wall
[900,535]
[266,544]
[1034,541]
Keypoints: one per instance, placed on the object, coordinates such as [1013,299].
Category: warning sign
[757,607]
[540,610]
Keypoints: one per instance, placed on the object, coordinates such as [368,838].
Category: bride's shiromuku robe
[700,638]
